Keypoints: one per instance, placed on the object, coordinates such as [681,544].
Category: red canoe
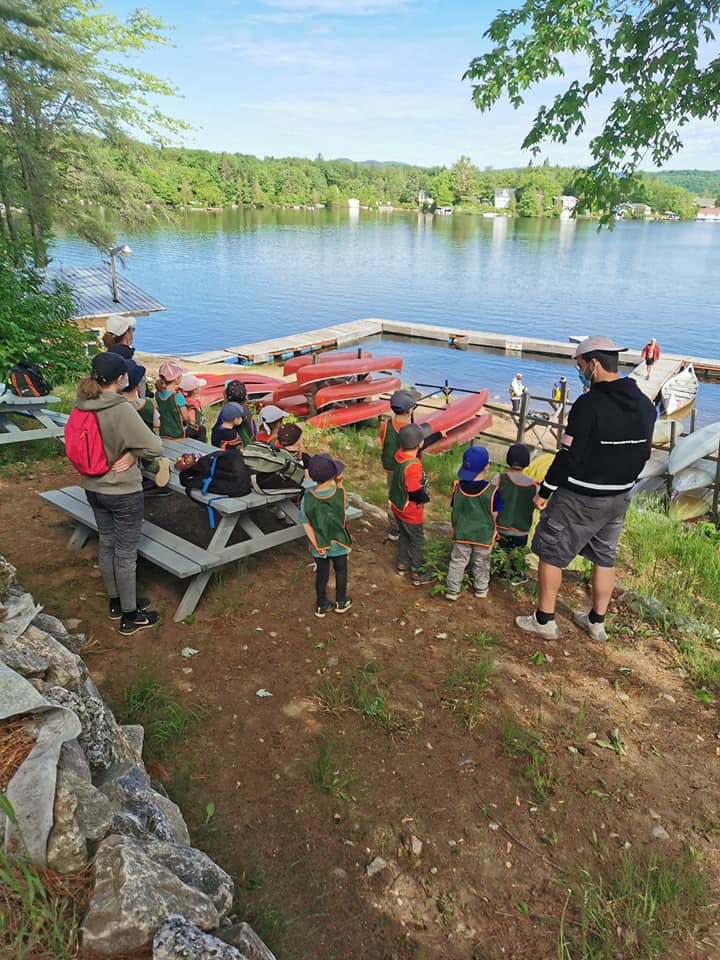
[466,431]
[355,413]
[288,389]
[294,363]
[455,413]
[346,368]
[356,391]
[297,404]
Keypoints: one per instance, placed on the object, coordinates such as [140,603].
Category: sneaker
[162,477]
[452,597]
[323,609]
[421,579]
[481,594]
[402,569]
[550,631]
[140,620]
[596,630]
[519,580]
[343,605]
[116,610]
[393,536]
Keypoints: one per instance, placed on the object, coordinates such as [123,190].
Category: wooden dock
[662,370]
[356,331]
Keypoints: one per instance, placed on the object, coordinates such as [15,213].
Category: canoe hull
[355,413]
[694,447]
[356,391]
[460,434]
[346,368]
[308,359]
[455,413]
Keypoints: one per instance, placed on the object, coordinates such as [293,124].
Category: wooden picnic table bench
[34,408]
[180,556]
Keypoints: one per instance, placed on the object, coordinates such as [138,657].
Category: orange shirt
[413,512]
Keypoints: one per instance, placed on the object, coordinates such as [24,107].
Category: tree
[63,85]
[441,191]
[463,180]
[649,55]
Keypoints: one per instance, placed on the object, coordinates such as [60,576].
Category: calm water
[247,275]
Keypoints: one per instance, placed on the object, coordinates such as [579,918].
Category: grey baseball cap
[605,344]
[413,434]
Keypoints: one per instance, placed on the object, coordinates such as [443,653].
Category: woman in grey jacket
[116,497]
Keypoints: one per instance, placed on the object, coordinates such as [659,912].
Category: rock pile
[83,794]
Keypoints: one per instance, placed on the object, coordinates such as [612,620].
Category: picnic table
[181,557]
[34,408]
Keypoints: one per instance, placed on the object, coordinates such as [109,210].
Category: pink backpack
[83,444]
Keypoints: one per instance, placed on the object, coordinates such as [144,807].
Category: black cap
[518,456]
[288,434]
[107,367]
[135,374]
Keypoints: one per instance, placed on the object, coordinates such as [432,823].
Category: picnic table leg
[79,537]
[196,587]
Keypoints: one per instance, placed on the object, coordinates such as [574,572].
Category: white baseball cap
[190,382]
[117,324]
[603,344]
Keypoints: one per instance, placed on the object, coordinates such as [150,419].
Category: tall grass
[151,703]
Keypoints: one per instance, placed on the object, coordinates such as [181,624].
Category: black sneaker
[420,579]
[323,609]
[343,605]
[140,620]
[116,610]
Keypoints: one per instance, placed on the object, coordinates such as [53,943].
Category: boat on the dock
[679,391]
[359,390]
[466,431]
[354,413]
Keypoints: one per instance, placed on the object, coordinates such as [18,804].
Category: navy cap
[518,455]
[107,367]
[232,411]
[135,374]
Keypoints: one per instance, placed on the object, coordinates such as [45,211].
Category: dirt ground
[477,849]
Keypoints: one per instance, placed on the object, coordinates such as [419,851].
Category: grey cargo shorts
[573,524]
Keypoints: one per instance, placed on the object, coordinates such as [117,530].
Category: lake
[243,275]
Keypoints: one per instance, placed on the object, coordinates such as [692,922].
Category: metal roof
[92,293]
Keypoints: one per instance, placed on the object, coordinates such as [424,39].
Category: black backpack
[27,381]
[223,473]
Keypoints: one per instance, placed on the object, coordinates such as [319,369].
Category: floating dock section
[357,331]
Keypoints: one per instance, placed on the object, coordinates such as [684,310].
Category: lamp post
[123,251]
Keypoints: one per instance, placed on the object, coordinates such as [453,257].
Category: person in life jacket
[115,495]
[170,402]
[408,495]
[402,404]
[323,513]
[517,491]
[271,418]
[190,386]
[557,394]
[474,507]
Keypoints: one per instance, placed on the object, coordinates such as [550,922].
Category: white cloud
[341,8]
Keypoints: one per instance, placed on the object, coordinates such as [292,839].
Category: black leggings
[322,576]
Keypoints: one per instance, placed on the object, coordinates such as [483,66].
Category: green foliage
[522,742]
[149,702]
[35,324]
[467,683]
[325,772]
[637,909]
[648,57]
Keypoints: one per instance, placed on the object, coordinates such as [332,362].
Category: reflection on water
[242,275]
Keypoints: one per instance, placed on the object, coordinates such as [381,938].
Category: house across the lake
[708,213]
[503,196]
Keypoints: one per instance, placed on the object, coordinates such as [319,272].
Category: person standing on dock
[650,354]
[516,391]
[606,444]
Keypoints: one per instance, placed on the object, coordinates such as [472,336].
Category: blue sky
[366,79]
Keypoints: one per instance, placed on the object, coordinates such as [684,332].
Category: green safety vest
[391,445]
[245,432]
[328,518]
[171,425]
[517,511]
[398,494]
[147,412]
[471,516]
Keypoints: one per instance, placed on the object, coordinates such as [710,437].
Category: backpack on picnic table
[26,380]
[273,468]
[222,472]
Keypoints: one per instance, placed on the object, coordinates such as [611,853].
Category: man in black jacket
[606,444]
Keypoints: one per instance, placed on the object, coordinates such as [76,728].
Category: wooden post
[692,419]
[524,404]
[673,434]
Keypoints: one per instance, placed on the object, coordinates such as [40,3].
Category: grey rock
[75,642]
[72,758]
[82,817]
[97,736]
[198,871]
[179,940]
[8,574]
[659,832]
[132,898]
[51,625]
[134,737]
[140,811]
[72,624]
[243,937]
[24,662]
[19,610]
[416,845]
[376,866]
[65,669]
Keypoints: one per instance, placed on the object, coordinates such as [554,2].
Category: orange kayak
[358,390]
[346,368]
[455,413]
[294,363]
[461,434]
[355,413]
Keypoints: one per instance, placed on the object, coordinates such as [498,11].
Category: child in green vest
[474,508]
[144,405]
[517,491]
[402,404]
[323,513]
[170,402]
[190,387]
[408,496]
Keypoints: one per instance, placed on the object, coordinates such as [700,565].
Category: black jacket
[606,443]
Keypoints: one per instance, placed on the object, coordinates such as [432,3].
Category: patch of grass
[370,696]
[326,774]
[467,684]
[151,703]
[522,742]
[332,695]
[700,658]
[636,909]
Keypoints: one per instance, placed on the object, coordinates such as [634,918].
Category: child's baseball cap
[170,371]
[518,456]
[412,435]
[475,459]
[401,401]
[190,382]
[135,374]
[288,434]
[232,411]
[322,467]
[271,414]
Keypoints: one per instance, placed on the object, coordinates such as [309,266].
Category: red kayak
[356,391]
[346,368]
[283,390]
[294,363]
[455,413]
[355,413]
[466,431]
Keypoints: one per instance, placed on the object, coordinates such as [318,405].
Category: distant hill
[701,183]
[377,163]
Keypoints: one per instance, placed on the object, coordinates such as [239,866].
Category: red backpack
[83,444]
